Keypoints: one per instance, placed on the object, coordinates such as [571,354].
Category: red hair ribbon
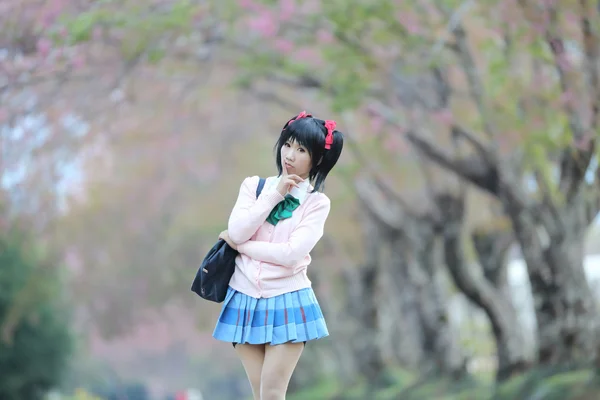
[330,125]
[303,114]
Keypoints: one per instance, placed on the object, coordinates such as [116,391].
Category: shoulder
[253,180]
[250,182]
[318,201]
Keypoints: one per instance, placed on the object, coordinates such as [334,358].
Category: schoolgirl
[271,311]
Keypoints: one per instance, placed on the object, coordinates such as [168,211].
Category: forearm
[249,213]
[284,254]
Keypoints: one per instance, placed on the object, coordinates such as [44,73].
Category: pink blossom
[431,9]
[308,55]
[324,36]
[63,32]
[371,109]
[395,144]
[97,33]
[542,23]
[563,62]
[377,123]
[567,98]
[287,10]
[73,261]
[172,142]
[52,11]
[264,23]
[311,7]
[509,140]
[444,116]
[284,46]
[249,5]
[583,143]
[43,46]
[571,18]
[78,61]
[409,21]
[537,122]
[199,15]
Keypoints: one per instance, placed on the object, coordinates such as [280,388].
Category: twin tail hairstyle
[320,138]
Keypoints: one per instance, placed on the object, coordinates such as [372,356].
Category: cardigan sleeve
[249,213]
[302,240]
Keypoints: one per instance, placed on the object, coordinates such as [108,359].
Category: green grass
[322,390]
[538,384]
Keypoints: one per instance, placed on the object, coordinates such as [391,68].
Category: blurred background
[461,258]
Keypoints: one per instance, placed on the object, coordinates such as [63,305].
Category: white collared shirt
[298,192]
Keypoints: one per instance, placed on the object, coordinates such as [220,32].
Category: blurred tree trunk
[441,340]
[363,303]
[492,246]
[402,331]
[422,327]
[488,290]
[566,311]
[427,340]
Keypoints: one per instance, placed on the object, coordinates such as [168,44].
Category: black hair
[310,133]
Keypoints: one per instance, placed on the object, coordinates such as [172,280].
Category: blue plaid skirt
[290,317]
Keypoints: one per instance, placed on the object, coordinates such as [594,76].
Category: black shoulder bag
[213,276]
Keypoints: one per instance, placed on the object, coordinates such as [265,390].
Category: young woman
[271,311]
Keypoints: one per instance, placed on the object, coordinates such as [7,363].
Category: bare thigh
[253,357]
[279,364]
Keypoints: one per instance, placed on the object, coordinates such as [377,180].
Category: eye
[301,150]
[287,144]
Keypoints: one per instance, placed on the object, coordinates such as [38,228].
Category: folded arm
[302,240]
[249,213]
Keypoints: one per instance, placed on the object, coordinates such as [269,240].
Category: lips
[288,165]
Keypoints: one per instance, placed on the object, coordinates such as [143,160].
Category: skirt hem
[293,317]
[271,343]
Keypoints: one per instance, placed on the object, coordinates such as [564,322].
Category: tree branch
[575,161]
[473,169]
[470,68]
[590,44]
[479,146]
[549,220]
[388,213]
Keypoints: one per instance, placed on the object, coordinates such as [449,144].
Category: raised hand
[287,180]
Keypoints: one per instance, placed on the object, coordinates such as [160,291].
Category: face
[296,158]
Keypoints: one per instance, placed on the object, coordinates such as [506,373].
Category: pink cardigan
[273,259]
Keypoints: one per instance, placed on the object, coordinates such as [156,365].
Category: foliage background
[127,127]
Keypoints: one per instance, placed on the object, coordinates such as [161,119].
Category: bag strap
[259,188]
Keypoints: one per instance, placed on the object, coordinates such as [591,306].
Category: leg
[252,356]
[280,362]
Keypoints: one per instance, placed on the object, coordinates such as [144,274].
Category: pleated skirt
[293,317]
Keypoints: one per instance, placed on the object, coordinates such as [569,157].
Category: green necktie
[283,209]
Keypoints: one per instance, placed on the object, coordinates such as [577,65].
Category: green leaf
[155,55]
[80,28]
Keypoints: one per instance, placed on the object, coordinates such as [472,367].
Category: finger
[291,182]
[283,167]
[296,178]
